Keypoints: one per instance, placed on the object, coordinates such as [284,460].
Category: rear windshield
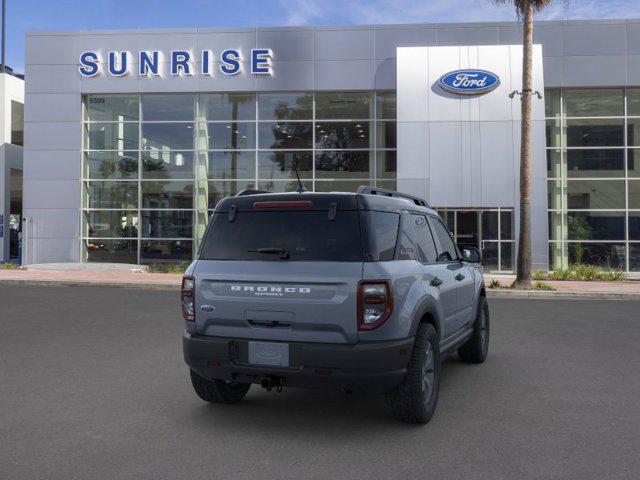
[305,235]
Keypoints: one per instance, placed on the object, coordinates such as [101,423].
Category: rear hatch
[281,267]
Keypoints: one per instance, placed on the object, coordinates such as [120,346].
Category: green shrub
[612,275]
[587,272]
[9,266]
[540,275]
[495,284]
[543,286]
[562,274]
[177,268]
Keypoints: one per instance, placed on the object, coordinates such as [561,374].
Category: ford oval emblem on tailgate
[207,308]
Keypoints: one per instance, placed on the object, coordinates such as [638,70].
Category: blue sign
[469,81]
[181,62]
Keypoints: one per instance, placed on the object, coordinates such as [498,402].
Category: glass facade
[593,177]
[154,166]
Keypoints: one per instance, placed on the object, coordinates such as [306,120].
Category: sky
[26,15]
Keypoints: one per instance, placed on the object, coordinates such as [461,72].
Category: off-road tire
[475,349]
[412,401]
[218,391]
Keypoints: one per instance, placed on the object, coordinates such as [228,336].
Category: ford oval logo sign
[469,82]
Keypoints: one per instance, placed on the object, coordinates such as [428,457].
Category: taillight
[187,296]
[375,303]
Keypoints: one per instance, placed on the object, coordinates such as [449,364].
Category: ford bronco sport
[357,291]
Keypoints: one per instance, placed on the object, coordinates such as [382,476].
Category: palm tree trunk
[524,246]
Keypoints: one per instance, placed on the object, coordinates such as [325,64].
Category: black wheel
[415,400]
[476,348]
[218,391]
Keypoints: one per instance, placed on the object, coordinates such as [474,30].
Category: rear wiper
[283,252]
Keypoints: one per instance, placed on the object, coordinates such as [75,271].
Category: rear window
[306,235]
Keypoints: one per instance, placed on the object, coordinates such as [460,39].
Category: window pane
[336,105]
[172,224]
[555,199]
[407,249]
[344,164]
[167,136]
[111,164]
[227,136]
[382,228]
[595,133]
[634,257]
[284,185]
[610,256]
[633,160]
[219,190]
[166,251]
[289,135]
[634,194]
[222,165]
[449,219]
[280,165]
[554,164]
[595,163]
[633,101]
[168,107]
[111,136]
[490,225]
[330,135]
[111,224]
[386,135]
[449,251]
[387,164]
[506,225]
[17,123]
[596,225]
[552,103]
[386,105]
[595,194]
[112,251]
[556,230]
[633,132]
[425,245]
[340,186]
[285,106]
[112,194]
[634,225]
[227,106]
[554,133]
[112,108]
[593,103]
[506,251]
[490,256]
[167,164]
[167,194]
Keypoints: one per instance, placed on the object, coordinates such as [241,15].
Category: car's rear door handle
[436,282]
[460,277]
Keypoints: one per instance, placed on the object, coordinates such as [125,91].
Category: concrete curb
[81,283]
[546,295]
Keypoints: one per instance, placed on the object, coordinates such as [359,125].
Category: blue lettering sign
[230,62]
[261,61]
[89,64]
[149,63]
[469,81]
[180,62]
[117,68]
[206,62]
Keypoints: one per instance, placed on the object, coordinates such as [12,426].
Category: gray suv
[357,291]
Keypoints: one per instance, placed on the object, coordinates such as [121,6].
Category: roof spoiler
[365,190]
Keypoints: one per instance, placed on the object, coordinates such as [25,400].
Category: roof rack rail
[249,191]
[391,193]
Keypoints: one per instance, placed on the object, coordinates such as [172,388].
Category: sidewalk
[130,278]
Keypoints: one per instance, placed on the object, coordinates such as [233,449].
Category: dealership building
[131,137]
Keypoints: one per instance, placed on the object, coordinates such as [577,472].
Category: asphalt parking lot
[93,387]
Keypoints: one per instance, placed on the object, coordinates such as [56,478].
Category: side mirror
[471,255]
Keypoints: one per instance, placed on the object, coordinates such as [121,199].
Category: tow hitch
[269,383]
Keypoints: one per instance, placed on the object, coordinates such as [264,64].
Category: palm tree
[525,10]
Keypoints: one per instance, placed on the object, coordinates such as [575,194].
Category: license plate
[268,353]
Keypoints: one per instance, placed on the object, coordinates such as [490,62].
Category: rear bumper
[370,367]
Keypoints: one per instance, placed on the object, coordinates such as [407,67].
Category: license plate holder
[269,353]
